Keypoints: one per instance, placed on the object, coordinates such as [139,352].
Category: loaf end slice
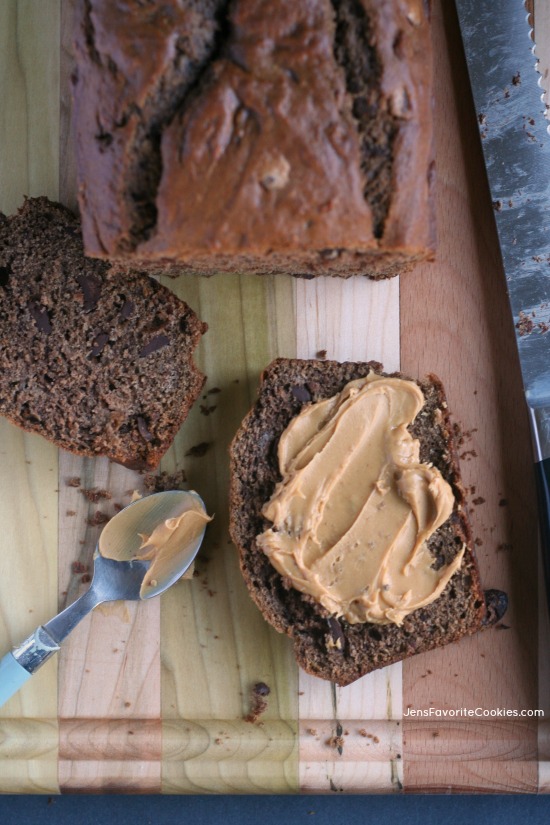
[98,362]
[324,646]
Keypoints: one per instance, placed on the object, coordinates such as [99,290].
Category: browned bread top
[97,363]
[325,646]
[260,135]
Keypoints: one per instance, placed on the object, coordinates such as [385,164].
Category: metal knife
[516,146]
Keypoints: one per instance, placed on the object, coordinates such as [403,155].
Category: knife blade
[507,94]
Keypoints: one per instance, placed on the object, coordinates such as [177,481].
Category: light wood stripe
[29,162]
[110,665]
[356,320]
[215,643]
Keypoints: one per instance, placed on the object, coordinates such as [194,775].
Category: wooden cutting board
[155,697]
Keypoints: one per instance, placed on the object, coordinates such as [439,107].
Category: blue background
[268,810]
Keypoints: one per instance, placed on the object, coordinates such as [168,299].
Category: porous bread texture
[266,136]
[99,362]
[324,646]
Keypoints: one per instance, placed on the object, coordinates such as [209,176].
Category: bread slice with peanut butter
[363,559]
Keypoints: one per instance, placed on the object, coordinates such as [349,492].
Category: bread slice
[98,362]
[325,646]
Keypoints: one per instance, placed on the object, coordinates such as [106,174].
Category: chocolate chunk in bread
[326,646]
[267,136]
[98,362]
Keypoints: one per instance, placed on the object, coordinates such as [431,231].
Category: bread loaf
[267,136]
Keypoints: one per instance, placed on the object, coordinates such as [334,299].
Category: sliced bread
[98,362]
[326,646]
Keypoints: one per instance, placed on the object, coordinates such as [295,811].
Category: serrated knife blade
[507,94]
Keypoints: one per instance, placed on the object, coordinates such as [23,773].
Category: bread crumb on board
[258,701]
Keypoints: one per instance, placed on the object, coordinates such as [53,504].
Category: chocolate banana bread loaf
[268,136]
[97,363]
[326,644]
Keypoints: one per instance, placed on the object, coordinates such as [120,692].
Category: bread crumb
[94,495]
[375,739]
[98,518]
[525,325]
[160,482]
[337,739]
[258,702]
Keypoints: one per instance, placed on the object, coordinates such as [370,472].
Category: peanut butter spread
[355,507]
[169,543]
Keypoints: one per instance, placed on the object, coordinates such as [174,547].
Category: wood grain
[155,698]
[110,665]
[465,335]
[216,645]
[358,320]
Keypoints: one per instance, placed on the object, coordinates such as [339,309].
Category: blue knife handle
[542,474]
[12,677]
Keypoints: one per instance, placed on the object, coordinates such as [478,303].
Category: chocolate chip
[127,310]
[91,290]
[301,394]
[98,343]
[104,140]
[41,317]
[156,343]
[142,428]
[5,272]
[336,634]
[496,604]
